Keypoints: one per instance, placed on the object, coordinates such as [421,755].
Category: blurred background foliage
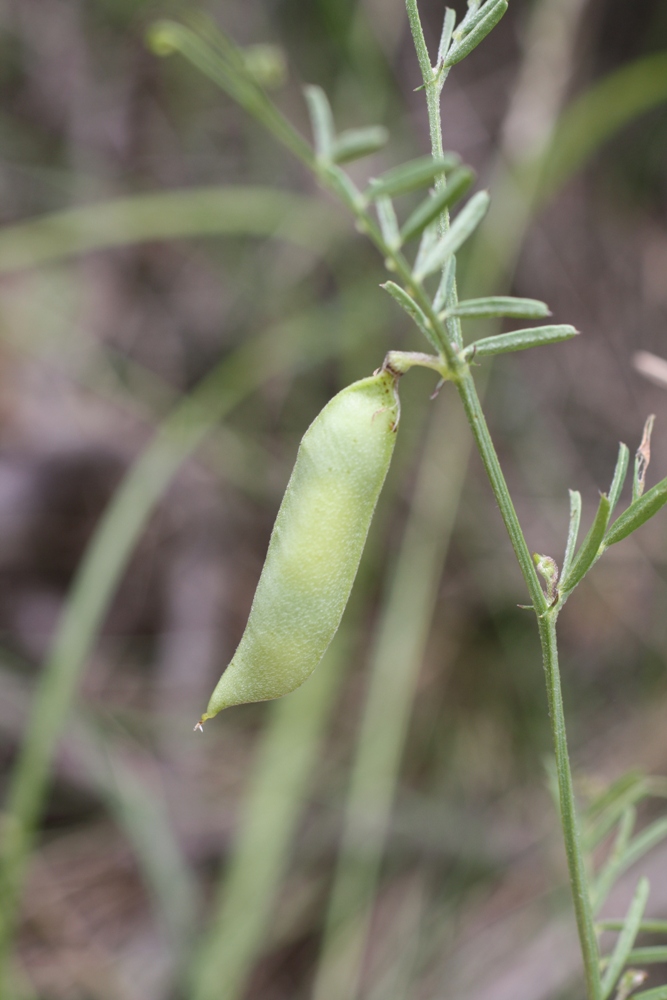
[387,831]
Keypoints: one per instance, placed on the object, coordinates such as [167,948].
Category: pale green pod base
[316,544]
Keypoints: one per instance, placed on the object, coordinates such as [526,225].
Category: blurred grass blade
[321,120]
[401,947]
[141,812]
[218,58]
[611,816]
[645,841]
[656,787]
[626,826]
[461,228]
[355,143]
[407,303]
[129,784]
[646,926]
[572,531]
[411,176]
[619,788]
[214,211]
[388,222]
[457,184]
[593,118]
[648,956]
[657,993]
[219,41]
[396,658]
[626,938]
[288,754]
[492,13]
[520,340]
[97,578]
[620,472]
[637,514]
[590,548]
[500,305]
[621,860]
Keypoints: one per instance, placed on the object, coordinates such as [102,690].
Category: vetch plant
[306,579]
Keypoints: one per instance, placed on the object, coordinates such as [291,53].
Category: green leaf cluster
[600,536]
[612,815]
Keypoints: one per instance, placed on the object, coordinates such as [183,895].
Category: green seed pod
[316,544]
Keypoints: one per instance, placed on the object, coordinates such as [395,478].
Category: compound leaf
[590,548]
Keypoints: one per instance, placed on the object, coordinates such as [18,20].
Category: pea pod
[316,544]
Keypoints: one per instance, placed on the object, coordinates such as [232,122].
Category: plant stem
[432,85]
[575,859]
[463,380]
[478,426]
[546,620]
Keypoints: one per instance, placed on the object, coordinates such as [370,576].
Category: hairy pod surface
[316,544]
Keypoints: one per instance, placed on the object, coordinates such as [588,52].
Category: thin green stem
[433,84]
[420,47]
[546,620]
[463,378]
[575,859]
[487,451]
